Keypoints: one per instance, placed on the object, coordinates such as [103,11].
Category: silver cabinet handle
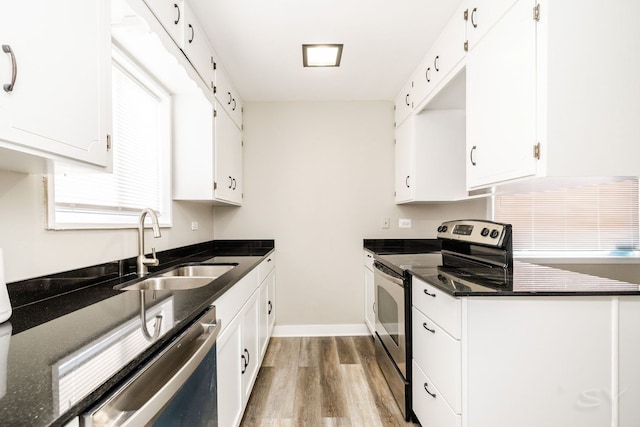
[406,181]
[473,17]
[426,74]
[435,63]
[14,68]
[427,293]
[424,325]
[473,149]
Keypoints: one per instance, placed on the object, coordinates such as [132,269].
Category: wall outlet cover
[404,223]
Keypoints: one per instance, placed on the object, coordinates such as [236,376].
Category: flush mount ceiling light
[321,55]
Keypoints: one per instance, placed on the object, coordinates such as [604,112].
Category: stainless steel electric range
[479,250]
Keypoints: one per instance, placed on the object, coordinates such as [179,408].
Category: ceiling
[260,44]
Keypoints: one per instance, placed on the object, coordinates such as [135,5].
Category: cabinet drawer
[266,266]
[439,355]
[368,260]
[430,410]
[443,309]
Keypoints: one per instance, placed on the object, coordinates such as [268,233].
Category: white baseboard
[320,330]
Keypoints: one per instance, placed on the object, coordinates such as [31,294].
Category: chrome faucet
[142,260]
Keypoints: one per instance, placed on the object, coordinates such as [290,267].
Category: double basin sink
[182,277]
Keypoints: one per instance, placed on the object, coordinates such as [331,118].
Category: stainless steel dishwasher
[177,387]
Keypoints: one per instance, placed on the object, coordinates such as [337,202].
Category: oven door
[390,314]
[176,388]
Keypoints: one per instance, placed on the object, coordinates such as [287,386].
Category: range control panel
[482,232]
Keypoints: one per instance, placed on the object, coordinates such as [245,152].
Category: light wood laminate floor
[324,382]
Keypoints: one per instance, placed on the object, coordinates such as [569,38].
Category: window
[599,217]
[141,115]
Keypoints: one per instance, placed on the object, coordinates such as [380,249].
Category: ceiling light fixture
[321,55]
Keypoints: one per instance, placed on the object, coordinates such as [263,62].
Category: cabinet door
[482,16]
[61,100]
[501,102]
[170,14]
[449,49]
[404,103]
[271,303]
[628,392]
[228,159]
[250,354]
[227,96]
[369,300]
[404,162]
[230,366]
[267,310]
[196,47]
[193,148]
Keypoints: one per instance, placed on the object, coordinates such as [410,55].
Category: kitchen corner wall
[319,178]
[32,251]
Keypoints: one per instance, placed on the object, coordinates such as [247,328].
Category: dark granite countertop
[58,317]
[401,246]
[421,259]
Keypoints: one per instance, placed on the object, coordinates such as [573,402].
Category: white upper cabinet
[207,153]
[196,47]
[171,15]
[588,89]
[228,159]
[552,91]
[55,99]
[227,95]
[403,105]
[481,16]
[434,138]
[501,100]
[442,61]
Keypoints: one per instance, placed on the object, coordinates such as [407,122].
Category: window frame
[85,218]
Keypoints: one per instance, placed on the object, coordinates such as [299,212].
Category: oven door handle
[377,269]
[142,397]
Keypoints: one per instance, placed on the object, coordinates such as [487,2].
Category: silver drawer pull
[427,390]
[424,325]
[427,293]
[14,68]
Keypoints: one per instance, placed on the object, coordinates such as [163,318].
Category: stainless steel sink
[169,284]
[212,271]
[182,278]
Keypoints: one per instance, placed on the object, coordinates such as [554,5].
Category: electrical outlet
[386,222]
[404,223]
[194,225]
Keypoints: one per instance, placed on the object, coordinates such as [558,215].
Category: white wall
[31,251]
[318,178]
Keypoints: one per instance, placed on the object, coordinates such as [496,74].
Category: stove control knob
[484,232]
[442,229]
[494,234]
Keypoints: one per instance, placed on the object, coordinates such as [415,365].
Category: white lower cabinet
[525,361]
[628,393]
[369,293]
[428,403]
[230,402]
[243,339]
[267,310]
[250,358]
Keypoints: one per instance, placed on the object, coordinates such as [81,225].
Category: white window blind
[140,178]
[599,217]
